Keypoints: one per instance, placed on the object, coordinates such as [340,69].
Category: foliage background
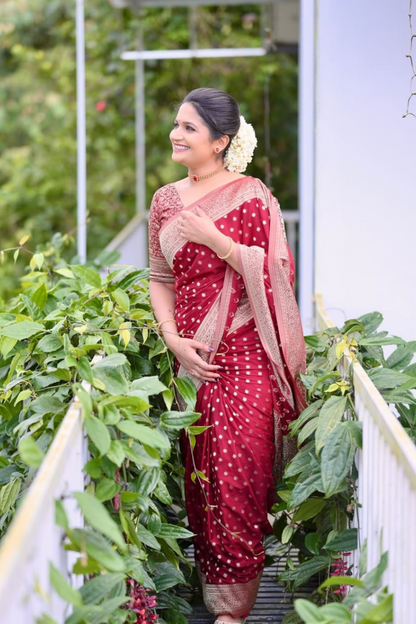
[38,111]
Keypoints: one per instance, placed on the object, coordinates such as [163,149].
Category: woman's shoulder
[163,196]
[258,188]
[163,190]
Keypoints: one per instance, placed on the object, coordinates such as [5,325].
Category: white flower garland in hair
[240,152]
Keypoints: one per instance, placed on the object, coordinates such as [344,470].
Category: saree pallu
[252,321]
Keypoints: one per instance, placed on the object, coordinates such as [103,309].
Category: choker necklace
[197,178]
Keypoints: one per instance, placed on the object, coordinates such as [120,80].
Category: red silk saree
[252,321]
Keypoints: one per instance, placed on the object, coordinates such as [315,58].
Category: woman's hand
[185,351]
[198,228]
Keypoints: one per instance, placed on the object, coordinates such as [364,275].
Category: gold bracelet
[230,251]
[165,321]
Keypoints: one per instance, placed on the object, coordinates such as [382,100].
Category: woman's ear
[222,142]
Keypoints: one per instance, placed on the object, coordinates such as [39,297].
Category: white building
[358,161]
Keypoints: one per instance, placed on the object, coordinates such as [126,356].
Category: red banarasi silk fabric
[252,321]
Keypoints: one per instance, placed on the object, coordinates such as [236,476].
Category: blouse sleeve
[160,271]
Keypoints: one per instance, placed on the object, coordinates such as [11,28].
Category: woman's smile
[179,147]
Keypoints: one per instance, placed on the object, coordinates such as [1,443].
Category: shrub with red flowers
[100,106]
[142,603]
[340,568]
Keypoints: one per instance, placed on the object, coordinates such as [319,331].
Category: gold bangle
[230,251]
[165,321]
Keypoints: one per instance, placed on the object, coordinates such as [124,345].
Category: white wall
[365,162]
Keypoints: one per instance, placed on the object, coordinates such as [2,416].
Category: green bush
[49,334]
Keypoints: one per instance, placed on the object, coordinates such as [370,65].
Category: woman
[221,286]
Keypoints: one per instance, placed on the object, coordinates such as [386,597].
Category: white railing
[33,539]
[386,489]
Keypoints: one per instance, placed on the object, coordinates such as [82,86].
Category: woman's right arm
[162,297]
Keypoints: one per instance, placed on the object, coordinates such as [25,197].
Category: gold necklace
[197,178]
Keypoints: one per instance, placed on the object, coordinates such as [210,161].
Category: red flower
[141,603]
[100,106]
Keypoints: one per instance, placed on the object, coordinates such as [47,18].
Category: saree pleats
[258,341]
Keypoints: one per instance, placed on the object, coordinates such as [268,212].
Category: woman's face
[191,142]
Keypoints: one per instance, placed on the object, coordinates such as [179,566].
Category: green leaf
[84,398]
[399,396]
[303,489]
[47,405]
[305,571]
[309,509]
[154,524]
[151,437]
[9,494]
[99,518]
[129,280]
[147,537]
[178,420]
[148,385]
[113,360]
[167,576]
[175,617]
[400,358]
[65,273]
[292,618]
[61,519]
[301,461]
[308,611]
[45,619]
[22,330]
[49,343]
[30,452]
[373,579]
[162,493]
[85,370]
[147,481]
[40,296]
[96,614]
[106,489]
[113,381]
[116,453]
[306,415]
[382,339]
[330,415]
[122,299]
[7,344]
[168,398]
[344,542]
[98,433]
[336,613]
[315,343]
[137,403]
[371,321]
[187,390]
[63,588]
[386,379]
[96,589]
[89,276]
[313,542]
[356,428]
[174,532]
[108,344]
[287,534]
[22,396]
[383,612]
[308,430]
[337,458]
[332,581]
